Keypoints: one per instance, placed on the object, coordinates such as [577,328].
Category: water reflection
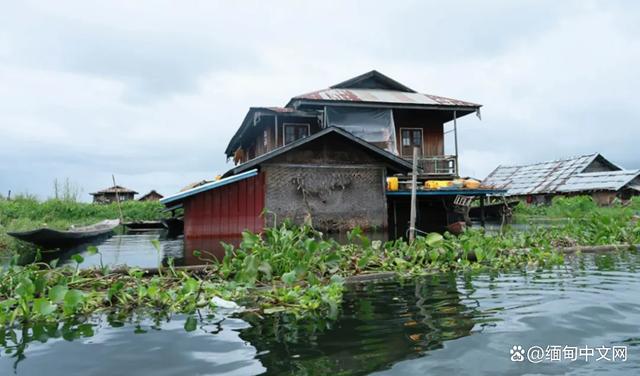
[381,324]
[440,324]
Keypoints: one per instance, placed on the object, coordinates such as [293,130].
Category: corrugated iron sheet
[383,96]
[537,178]
[226,211]
[599,181]
[560,176]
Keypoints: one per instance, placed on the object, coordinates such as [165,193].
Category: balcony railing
[441,165]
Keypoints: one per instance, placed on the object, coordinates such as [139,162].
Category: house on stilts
[325,159]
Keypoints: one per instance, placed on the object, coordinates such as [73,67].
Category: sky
[152,91]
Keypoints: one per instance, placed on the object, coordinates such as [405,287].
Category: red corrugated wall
[226,211]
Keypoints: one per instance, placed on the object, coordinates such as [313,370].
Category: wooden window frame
[284,130]
[421,140]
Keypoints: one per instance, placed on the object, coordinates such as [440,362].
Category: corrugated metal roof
[599,181]
[213,185]
[539,178]
[383,96]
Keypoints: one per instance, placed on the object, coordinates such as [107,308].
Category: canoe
[49,238]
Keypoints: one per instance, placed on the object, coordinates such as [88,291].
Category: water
[438,325]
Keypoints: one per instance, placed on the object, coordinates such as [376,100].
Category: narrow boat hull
[48,238]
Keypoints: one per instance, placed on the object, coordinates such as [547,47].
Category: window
[294,132]
[411,137]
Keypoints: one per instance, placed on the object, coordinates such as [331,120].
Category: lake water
[438,325]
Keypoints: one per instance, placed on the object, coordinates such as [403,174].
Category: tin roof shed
[553,176]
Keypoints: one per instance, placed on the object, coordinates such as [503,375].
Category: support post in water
[414,183]
[117,199]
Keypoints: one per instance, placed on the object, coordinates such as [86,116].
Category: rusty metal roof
[383,96]
[548,177]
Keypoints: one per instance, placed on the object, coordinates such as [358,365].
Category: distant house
[590,174]
[112,194]
[151,196]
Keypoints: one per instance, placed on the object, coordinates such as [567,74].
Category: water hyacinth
[288,269]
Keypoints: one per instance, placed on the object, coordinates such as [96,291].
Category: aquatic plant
[290,269]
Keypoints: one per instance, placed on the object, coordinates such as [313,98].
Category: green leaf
[42,306]
[77,258]
[25,288]
[265,268]
[433,238]
[72,299]
[57,293]
[190,324]
[156,244]
[336,278]
[92,250]
[289,278]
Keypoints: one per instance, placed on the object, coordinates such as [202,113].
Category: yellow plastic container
[471,184]
[436,184]
[392,183]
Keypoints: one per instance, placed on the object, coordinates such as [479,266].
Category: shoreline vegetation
[27,213]
[288,269]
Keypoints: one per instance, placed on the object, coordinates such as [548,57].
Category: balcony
[438,165]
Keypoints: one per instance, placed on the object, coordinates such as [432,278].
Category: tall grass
[574,207]
[25,212]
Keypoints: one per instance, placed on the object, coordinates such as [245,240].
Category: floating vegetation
[288,269]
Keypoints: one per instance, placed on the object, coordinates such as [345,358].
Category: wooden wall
[431,124]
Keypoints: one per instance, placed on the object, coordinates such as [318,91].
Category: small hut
[151,196]
[112,194]
[590,174]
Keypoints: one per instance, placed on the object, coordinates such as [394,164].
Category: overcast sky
[151,91]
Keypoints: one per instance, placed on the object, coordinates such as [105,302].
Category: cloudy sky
[151,91]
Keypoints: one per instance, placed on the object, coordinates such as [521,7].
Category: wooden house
[372,107]
[151,196]
[112,194]
[324,159]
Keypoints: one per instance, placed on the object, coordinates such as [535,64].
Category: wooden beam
[414,183]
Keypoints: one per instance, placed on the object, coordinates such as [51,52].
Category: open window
[295,131]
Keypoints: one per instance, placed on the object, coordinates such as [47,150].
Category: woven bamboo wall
[333,198]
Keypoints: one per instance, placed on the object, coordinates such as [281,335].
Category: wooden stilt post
[482,213]
[414,183]
[117,199]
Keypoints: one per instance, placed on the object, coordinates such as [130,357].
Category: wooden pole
[482,213]
[414,183]
[117,199]
[455,137]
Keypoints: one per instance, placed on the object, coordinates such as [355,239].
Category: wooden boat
[48,238]
[174,225]
[143,225]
